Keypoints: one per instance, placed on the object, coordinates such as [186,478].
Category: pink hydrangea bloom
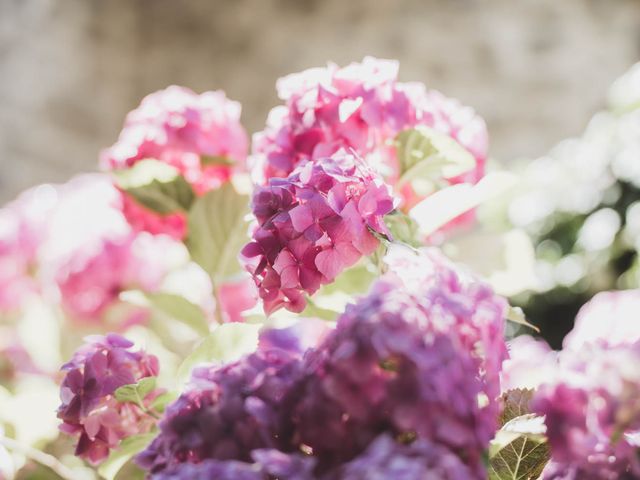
[89,408]
[23,228]
[591,407]
[312,225]
[361,106]
[531,362]
[91,253]
[236,297]
[188,131]
[610,316]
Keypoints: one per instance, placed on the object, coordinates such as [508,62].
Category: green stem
[40,457]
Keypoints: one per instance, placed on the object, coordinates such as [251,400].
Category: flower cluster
[23,229]
[409,364]
[590,408]
[416,366]
[89,408]
[72,242]
[226,413]
[362,107]
[200,135]
[312,225]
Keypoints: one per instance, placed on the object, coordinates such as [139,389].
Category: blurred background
[70,70]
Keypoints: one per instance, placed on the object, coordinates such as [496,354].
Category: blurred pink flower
[531,362]
[236,297]
[200,135]
[611,317]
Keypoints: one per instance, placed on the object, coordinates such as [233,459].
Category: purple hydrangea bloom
[591,408]
[312,225]
[413,363]
[387,459]
[89,408]
[227,412]
[268,464]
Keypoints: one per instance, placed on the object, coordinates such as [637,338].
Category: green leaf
[403,228]
[356,279]
[118,458]
[226,343]
[178,308]
[161,401]
[519,451]
[516,315]
[313,310]
[211,160]
[157,186]
[515,403]
[136,392]
[426,154]
[218,231]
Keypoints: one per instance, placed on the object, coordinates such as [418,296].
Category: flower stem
[40,457]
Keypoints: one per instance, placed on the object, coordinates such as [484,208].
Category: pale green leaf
[218,231]
[444,205]
[136,392]
[118,458]
[178,308]
[160,403]
[515,403]
[157,186]
[516,315]
[403,228]
[226,343]
[426,154]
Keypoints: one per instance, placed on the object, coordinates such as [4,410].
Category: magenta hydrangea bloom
[226,412]
[413,363]
[312,225]
[591,408]
[89,409]
[387,459]
[200,135]
[362,107]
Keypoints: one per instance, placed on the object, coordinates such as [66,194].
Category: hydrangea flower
[362,107]
[591,408]
[387,459]
[531,362]
[609,316]
[200,135]
[226,412]
[22,230]
[91,253]
[89,409]
[413,363]
[312,225]
[267,464]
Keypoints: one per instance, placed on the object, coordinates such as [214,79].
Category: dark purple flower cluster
[312,225]
[386,458]
[227,412]
[267,464]
[416,366]
[89,408]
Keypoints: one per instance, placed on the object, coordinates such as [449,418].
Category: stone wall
[71,69]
